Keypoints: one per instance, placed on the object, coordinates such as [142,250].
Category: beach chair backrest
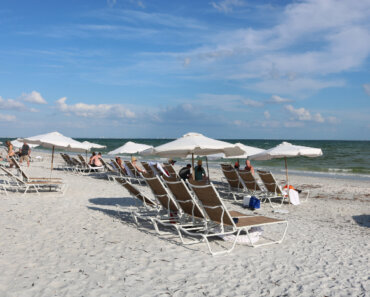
[232,178]
[68,160]
[170,178]
[107,166]
[269,181]
[76,162]
[82,160]
[132,168]
[212,204]
[249,180]
[226,166]
[15,162]
[169,168]
[135,192]
[11,175]
[147,168]
[184,198]
[119,168]
[161,193]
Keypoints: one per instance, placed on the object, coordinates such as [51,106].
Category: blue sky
[224,68]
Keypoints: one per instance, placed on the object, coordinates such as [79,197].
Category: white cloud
[33,97]
[7,118]
[227,6]
[367,88]
[95,110]
[267,114]
[11,104]
[303,114]
[278,100]
[252,103]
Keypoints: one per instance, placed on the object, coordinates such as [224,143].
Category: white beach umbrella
[287,150]
[55,140]
[130,148]
[92,145]
[248,151]
[194,144]
[18,144]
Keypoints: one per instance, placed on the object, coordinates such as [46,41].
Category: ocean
[340,158]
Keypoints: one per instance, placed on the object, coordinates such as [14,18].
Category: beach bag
[254,203]
[251,202]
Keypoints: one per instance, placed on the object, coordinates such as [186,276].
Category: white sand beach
[82,244]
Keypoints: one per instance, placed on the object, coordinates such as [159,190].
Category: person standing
[199,171]
[11,153]
[25,154]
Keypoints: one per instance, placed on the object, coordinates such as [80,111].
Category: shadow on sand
[362,220]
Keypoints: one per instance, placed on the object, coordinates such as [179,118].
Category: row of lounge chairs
[196,211]
[241,182]
[24,183]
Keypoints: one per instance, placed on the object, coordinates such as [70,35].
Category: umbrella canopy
[18,144]
[287,150]
[130,148]
[196,144]
[56,140]
[92,145]
[248,151]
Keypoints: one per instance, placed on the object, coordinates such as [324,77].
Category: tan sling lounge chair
[224,222]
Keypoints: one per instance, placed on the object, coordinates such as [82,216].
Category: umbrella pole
[192,161]
[52,160]
[207,168]
[286,172]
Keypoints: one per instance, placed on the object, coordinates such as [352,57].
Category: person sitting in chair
[249,167]
[136,166]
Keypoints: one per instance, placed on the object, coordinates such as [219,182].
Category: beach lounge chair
[27,178]
[133,172]
[44,186]
[235,183]
[223,222]
[273,189]
[148,208]
[250,181]
[149,169]
[110,172]
[189,206]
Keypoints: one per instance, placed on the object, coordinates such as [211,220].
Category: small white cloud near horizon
[267,114]
[7,118]
[303,114]
[95,110]
[366,88]
[33,97]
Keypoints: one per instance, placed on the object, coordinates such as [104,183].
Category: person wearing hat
[134,163]
[199,171]
[172,162]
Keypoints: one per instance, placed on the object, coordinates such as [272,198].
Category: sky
[159,69]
